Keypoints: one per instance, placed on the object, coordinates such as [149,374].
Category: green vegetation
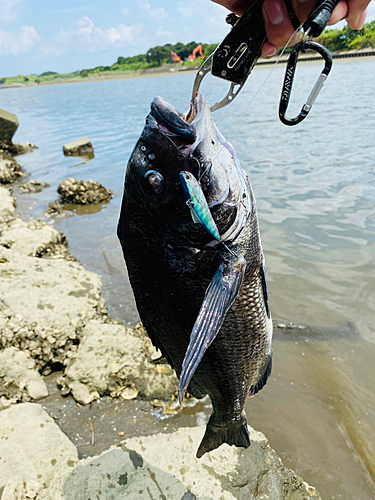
[155,57]
[335,40]
[348,39]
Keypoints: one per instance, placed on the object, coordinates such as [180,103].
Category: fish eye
[187,177]
[155,181]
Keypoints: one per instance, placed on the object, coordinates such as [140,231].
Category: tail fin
[232,432]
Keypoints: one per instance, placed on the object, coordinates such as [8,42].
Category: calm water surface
[315,188]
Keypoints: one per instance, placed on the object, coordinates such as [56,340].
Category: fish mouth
[179,127]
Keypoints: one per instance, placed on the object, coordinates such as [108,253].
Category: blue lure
[196,201]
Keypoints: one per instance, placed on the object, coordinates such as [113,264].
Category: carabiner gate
[289,77]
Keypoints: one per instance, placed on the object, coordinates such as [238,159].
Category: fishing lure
[196,201]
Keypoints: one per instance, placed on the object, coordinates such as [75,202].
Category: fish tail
[232,432]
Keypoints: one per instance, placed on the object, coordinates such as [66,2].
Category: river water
[315,188]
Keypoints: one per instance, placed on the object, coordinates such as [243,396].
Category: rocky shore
[54,318]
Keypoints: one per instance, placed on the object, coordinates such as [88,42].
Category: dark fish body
[204,304]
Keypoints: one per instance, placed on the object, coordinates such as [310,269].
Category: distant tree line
[162,53]
[335,40]
[154,57]
[348,39]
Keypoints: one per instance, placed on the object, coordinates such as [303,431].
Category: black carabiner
[289,77]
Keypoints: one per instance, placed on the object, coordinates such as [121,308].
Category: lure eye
[155,181]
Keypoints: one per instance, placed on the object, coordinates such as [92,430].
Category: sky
[65,36]
[70,35]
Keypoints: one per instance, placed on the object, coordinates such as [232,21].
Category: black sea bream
[203,302]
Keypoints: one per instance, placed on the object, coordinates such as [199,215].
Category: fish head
[172,142]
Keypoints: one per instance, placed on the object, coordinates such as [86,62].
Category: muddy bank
[56,339]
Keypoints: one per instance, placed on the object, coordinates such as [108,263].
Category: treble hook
[289,77]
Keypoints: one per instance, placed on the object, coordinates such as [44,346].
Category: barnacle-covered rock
[83,192]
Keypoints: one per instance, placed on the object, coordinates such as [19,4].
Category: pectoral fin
[220,295]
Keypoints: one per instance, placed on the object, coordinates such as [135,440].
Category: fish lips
[172,123]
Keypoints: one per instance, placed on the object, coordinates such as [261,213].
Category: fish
[202,299]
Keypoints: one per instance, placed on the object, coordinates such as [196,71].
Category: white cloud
[85,36]
[158,13]
[192,8]
[126,11]
[164,34]
[8,10]
[12,43]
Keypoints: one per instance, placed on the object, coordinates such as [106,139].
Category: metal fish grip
[235,57]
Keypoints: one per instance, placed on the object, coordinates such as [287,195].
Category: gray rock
[83,192]
[164,466]
[81,147]
[44,305]
[8,126]
[21,148]
[55,210]
[33,451]
[33,186]
[33,238]
[9,171]
[19,380]
[7,205]
[115,360]
[51,308]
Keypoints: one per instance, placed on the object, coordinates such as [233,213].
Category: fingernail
[269,51]
[275,12]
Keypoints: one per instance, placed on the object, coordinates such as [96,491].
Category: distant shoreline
[167,70]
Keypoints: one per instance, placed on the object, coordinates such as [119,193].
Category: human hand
[278,25]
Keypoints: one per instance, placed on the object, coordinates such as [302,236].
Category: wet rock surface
[33,186]
[8,126]
[32,238]
[117,361]
[55,210]
[51,308]
[141,468]
[10,170]
[33,451]
[7,206]
[81,147]
[83,192]
[19,380]
[21,148]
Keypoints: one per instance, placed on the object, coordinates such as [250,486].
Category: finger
[278,26]
[269,50]
[239,7]
[357,13]
[358,23]
[339,13]
[303,8]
